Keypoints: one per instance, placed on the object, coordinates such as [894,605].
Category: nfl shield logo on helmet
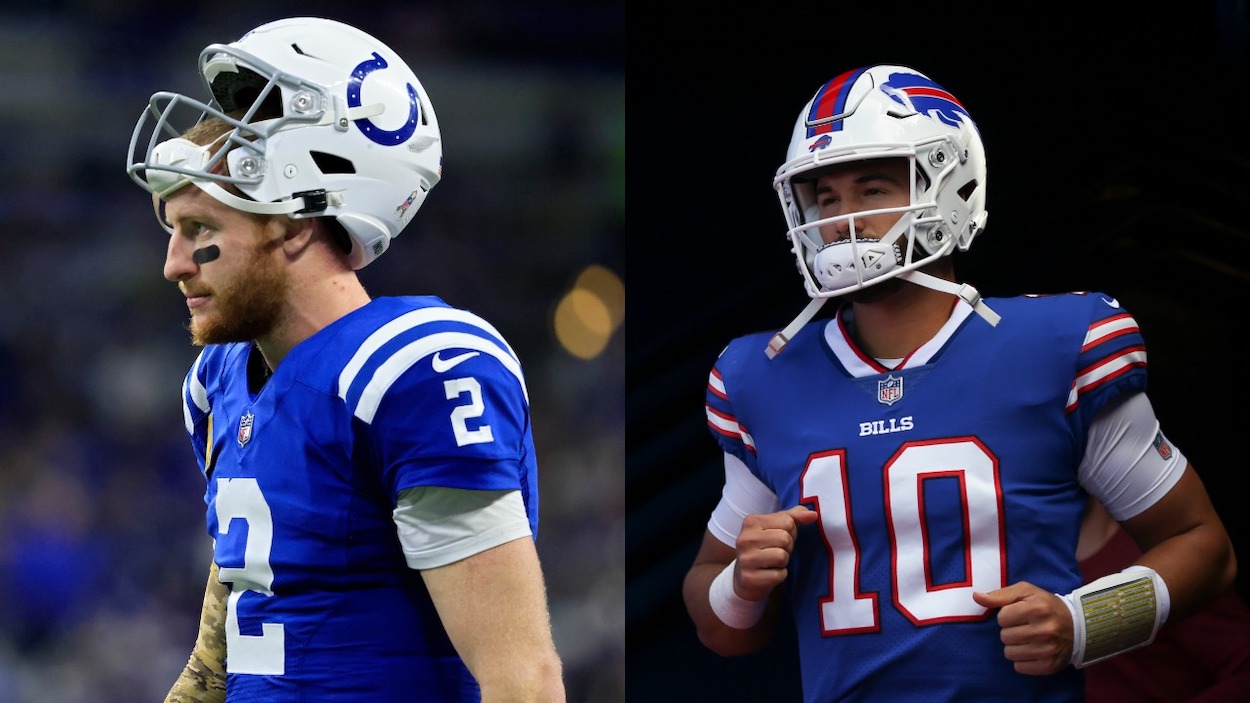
[890,390]
[245,428]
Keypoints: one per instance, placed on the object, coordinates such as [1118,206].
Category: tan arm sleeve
[203,680]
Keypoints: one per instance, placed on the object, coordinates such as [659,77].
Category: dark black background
[1116,142]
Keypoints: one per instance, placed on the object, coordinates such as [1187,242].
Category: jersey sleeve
[1111,362]
[196,410]
[451,413]
[200,386]
[722,419]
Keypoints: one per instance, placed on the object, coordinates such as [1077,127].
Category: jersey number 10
[846,610]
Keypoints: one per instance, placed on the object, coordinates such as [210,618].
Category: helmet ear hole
[968,188]
[331,163]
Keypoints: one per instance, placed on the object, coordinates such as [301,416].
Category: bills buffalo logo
[890,390]
[820,143]
[245,428]
[914,92]
[926,97]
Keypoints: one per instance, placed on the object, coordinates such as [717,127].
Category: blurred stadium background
[103,552]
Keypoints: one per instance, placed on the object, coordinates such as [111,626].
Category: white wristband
[733,610]
[1116,613]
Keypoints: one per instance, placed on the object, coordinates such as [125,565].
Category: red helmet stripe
[830,100]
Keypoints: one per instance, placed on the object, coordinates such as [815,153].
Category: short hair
[207,131]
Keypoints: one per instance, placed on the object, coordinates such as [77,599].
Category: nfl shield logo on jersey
[245,428]
[890,390]
[1161,445]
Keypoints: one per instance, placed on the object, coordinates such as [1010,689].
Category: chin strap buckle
[782,338]
[314,201]
[963,291]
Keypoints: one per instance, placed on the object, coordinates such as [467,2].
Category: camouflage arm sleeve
[203,680]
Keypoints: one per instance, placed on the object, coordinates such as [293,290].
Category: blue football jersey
[302,475]
[954,472]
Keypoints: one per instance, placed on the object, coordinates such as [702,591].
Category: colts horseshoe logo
[370,130]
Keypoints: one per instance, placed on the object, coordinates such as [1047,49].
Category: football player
[371,481]
[915,469]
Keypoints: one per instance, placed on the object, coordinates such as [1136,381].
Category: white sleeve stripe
[1107,368]
[1108,328]
[193,389]
[402,324]
[721,422]
[402,360]
[728,426]
[717,385]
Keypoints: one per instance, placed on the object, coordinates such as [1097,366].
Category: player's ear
[297,234]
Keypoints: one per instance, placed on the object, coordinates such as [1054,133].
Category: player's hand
[764,547]
[1036,627]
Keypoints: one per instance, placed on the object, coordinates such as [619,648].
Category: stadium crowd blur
[102,540]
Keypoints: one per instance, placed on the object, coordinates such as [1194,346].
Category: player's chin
[204,328]
[876,292]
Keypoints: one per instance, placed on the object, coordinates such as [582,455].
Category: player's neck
[312,305]
[896,325]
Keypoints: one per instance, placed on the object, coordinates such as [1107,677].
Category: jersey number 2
[241,499]
[916,596]
[461,415]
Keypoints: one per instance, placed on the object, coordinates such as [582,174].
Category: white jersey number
[241,499]
[846,610]
[474,408]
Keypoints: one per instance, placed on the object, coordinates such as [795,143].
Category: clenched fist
[764,547]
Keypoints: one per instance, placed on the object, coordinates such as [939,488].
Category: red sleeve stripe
[729,427]
[716,385]
[1104,371]
[1109,328]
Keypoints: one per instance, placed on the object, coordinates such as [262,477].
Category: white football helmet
[872,113]
[327,122]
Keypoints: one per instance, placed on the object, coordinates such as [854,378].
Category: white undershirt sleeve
[438,526]
[744,495]
[1129,464]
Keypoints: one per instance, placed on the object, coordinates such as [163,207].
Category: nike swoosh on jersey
[440,364]
[1113,302]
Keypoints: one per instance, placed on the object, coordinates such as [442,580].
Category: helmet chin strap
[963,291]
[782,338]
[282,207]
